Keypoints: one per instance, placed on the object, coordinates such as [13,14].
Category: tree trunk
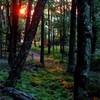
[15,71]
[28,19]
[49,30]
[94,31]
[9,24]
[63,27]
[14,32]
[0,32]
[71,65]
[84,50]
[42,40]
[53,41]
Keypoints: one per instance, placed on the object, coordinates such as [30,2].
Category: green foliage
[96,64]
[3,75]
[94,83]
[3,72]
[56,55]
[30,62]
[44,85]
[36,49]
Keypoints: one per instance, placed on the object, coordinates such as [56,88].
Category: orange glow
[22,11]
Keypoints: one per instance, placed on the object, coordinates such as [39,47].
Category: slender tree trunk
[19,33]
[42,40]
[93,30]
[0,32]
[28,19]
[15,72]
[63,27]
[53,41]
[71,65]
[84,51]
[14,32]
[9,27]
[61,30]
[51,27]
[49,30]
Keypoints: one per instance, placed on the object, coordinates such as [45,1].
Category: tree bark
[71,65]
[28,19]
[84,51]
[49,30]
[14,32]
[94,31]
[42,40]
[0,32]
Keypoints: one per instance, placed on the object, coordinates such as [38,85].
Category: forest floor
[49,82]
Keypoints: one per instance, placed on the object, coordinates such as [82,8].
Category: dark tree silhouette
[93,19]
[29,8]
[61,31]
[84,50]
[42,40]
[0,32]
[49,30]
[14,32]
[71,65]
[19,62]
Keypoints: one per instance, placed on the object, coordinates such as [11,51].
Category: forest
[49,49]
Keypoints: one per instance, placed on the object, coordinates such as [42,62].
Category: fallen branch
[16,94]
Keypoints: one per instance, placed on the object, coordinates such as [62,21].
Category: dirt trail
[33,56]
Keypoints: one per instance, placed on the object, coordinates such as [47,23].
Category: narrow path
[34,56]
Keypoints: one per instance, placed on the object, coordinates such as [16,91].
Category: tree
[93,18]
[72,47]
[14,32]
[49,29]
[42,40]
[19,62]
[0,31]
[61,31]
[3,29]
[94,39]
[29,8]
[84,50]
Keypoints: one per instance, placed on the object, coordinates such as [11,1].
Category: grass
[49,82]
[56,55]
[46,83]
[3,72]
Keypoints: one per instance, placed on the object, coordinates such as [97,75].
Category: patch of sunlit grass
[66,84]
